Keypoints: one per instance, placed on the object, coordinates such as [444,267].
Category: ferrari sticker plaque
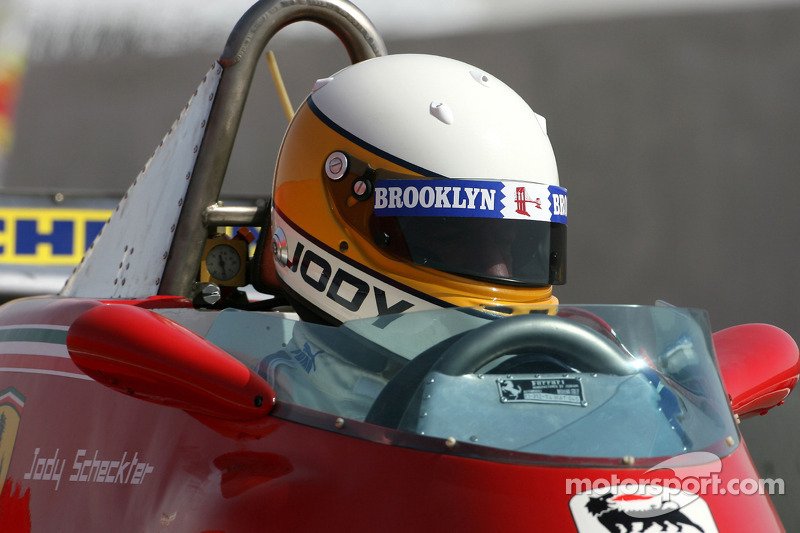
[553,390]
[641,508]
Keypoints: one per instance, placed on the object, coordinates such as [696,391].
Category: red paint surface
[277,475]
[759,364]
[146,355]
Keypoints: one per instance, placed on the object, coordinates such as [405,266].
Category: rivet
[474,438]
[180,202]
[203,123]
[158,281]
[258,401]
[584,404]
[628,460]
[164,255]
[58,197]
[123,281]
[343,246]
[172,229]
[736,417]
[729,441]
[195,148]
[339,423]
[450,442]
[210,97]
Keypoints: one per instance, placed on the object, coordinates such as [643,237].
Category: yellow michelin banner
[48,236]
[51,236]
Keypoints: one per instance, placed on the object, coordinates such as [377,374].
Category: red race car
[153,395]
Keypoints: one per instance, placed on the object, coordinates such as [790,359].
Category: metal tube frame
[239,59]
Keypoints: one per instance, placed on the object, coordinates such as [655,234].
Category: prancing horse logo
[11,403]
[639,508]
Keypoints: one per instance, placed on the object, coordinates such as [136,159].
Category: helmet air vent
[442,112]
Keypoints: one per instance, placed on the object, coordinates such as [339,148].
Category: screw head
[336,165]
[280,248]
[362,189]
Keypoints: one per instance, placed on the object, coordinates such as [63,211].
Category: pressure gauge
[224,261]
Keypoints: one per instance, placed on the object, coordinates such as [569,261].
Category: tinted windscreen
[531,253]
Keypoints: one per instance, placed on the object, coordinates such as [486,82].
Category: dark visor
[518,252]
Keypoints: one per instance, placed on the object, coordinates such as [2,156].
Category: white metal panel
[127,258]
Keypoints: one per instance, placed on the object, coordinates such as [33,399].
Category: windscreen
[587,382]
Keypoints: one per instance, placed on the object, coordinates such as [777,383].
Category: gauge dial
[223,262]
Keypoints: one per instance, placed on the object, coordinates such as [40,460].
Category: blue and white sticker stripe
[518,200]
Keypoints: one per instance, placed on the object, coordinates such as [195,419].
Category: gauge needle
[221,263]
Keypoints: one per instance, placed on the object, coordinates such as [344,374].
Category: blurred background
[675,124]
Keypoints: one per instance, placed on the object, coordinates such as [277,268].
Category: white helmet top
[458,121]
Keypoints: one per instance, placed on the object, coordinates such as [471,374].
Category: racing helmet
[410,182]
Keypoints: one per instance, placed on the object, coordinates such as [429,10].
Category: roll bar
[239,59]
